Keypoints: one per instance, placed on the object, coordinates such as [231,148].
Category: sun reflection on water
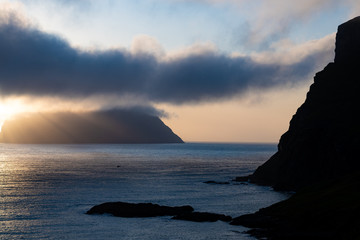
[46,189]
[16,211]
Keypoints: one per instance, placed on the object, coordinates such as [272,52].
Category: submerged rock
[257,220]
[242,179]
[216,182]
[202,217]
[123,209]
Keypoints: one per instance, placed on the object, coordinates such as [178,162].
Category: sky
[212,70]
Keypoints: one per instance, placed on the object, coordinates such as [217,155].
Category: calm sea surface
[45,190]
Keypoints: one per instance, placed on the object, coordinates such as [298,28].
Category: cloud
[285,51]
[36,63]
[268,21]
[274,19]
[355,7]
[13,12]
[146,45]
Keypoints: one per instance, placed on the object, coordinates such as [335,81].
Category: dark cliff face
[347,42]
[324,134]
[113,126]
[327,210]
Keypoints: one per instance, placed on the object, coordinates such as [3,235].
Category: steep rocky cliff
[318,157]
[323,139]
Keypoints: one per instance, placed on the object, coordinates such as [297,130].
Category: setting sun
[9,108]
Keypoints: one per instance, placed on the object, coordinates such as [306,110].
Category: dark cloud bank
[36,63]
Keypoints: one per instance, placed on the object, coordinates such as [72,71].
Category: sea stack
[323,139]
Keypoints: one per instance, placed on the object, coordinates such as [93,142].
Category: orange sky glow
[262,119]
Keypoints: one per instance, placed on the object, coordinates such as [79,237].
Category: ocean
[45,190]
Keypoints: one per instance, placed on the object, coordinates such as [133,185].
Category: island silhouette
[107,126]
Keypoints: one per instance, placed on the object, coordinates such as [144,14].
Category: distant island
[110,126]
[318,157]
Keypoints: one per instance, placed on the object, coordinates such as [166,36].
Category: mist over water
[46,189]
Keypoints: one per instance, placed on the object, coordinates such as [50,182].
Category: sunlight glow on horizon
[258,119]
[9,108]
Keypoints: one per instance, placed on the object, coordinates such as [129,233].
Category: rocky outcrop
[327,210]
[111,126]
[140,210]
[129,210]
[324,134]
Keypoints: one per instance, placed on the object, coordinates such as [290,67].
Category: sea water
[45,190]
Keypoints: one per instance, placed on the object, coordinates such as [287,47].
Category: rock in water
[136,210]
[323,138]
[216,182]
[202,217]
[123,209]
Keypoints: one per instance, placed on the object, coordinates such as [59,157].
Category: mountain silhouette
[323,136]
[111,126]
[318,157]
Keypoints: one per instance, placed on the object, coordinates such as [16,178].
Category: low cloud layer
[36,63]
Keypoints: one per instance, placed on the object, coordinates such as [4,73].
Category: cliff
[112,126]
[326,210]
[318,157]
[323,137]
